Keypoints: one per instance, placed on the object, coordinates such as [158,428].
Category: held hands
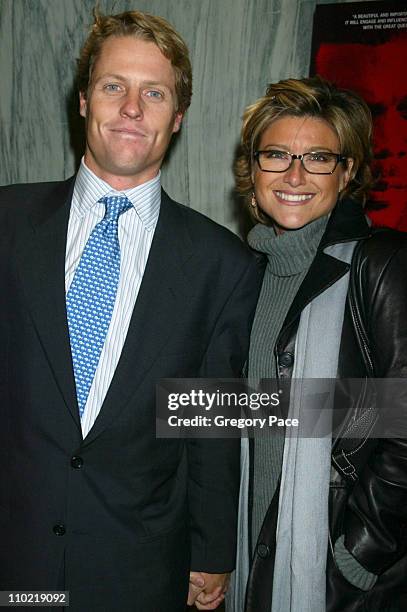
[207,591]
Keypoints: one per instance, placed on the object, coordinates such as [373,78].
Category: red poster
[363,46]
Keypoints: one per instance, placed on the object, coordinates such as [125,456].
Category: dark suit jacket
[121,517]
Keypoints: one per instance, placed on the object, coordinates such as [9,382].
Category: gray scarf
[302,531]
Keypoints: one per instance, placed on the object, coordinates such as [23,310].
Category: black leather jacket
[370,507]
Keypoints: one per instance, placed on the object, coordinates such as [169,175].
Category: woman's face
[295,197]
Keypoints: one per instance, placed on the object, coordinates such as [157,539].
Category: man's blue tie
[92,294]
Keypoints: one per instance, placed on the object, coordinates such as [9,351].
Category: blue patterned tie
[92,294]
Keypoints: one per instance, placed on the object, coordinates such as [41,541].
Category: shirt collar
[89,188]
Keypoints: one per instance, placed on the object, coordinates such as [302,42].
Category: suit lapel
[41,261]
[163,291]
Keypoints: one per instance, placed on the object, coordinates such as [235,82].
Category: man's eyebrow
[155,84]
[121,77]
[117,77]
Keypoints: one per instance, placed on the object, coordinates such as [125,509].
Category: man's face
[130,112]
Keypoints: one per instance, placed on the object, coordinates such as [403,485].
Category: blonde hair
[346,113]
[145,27]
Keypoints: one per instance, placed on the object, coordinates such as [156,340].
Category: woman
[320,537]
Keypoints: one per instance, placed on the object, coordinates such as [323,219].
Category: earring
[253,202]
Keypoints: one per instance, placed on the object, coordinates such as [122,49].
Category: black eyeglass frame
[339,159]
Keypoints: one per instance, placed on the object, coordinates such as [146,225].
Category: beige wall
[237,47]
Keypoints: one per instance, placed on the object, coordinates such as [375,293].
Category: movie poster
[363,46]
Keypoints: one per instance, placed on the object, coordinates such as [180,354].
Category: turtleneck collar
[291,252]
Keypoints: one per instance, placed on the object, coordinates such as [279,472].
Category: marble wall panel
[237,47]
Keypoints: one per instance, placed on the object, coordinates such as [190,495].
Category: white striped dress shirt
[136,231]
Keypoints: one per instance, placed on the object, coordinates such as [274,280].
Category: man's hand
[207,591]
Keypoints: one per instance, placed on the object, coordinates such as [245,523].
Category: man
[108,286]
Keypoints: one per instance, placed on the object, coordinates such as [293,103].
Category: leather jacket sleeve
[375,522]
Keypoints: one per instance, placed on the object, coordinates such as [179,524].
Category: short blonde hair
[345,111]
[145,27]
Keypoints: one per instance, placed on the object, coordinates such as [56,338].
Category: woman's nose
[295,175]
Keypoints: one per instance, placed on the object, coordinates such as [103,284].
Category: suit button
[286,360]
[59,530]
[76,462]
[263,551]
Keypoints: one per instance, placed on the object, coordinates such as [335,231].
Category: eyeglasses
[316,162]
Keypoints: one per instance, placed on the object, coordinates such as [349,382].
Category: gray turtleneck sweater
[289,256]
